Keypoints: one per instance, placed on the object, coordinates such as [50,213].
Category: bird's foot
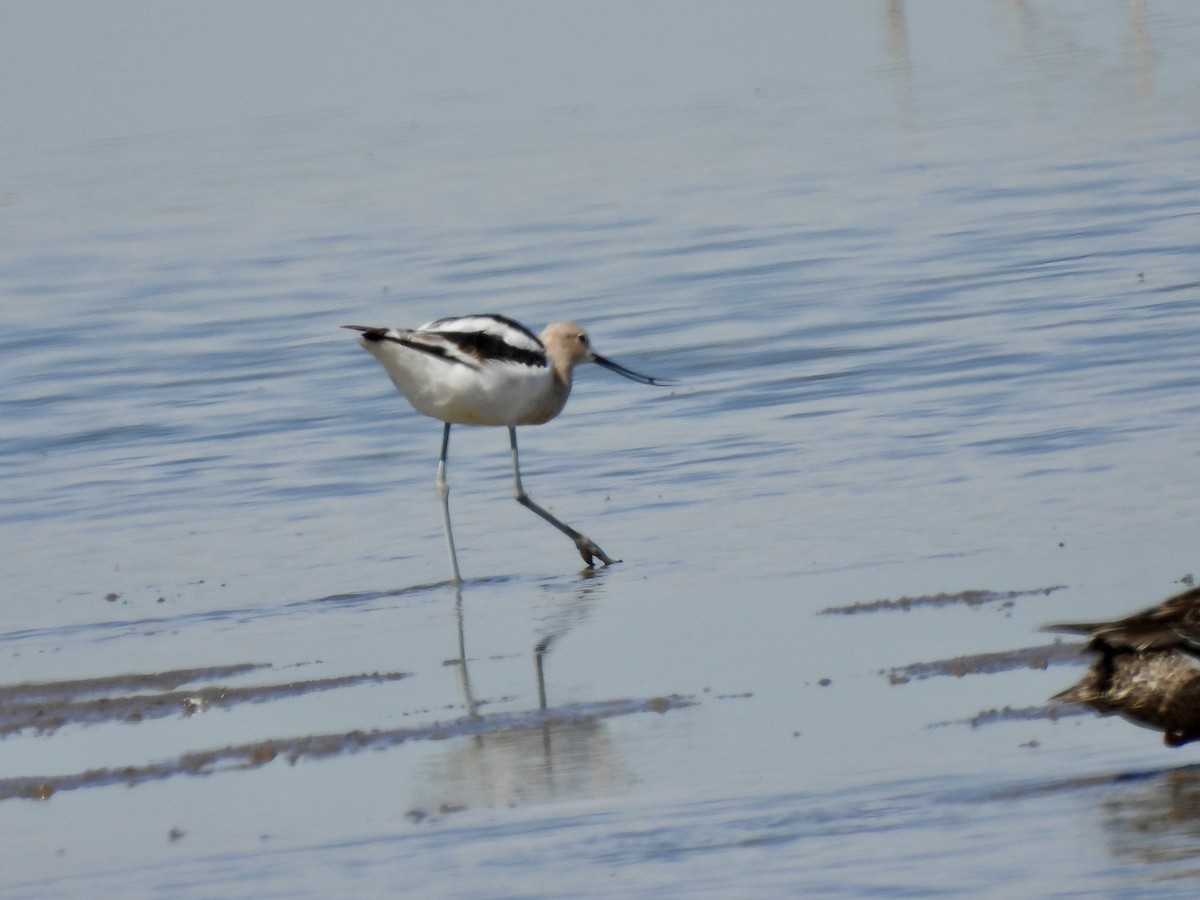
[590,552]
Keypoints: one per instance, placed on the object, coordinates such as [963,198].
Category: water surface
[925,276]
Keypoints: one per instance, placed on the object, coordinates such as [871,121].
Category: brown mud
[294,749]
[46,707]
[969,598]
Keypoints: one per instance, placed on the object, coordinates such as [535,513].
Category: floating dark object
[1148,670]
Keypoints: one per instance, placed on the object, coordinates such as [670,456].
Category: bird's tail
[1071,627]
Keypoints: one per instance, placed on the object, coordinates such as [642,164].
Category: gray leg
[587,548]
[443,491]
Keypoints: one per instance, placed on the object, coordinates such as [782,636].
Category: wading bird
[489,370]
[1148,670]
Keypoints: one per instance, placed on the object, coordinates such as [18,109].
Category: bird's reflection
[1156,819]
[899,57]
[1143,53]
[556,755]
[464,675]
[539,652]
[1037,37]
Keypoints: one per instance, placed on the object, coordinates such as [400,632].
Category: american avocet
[1148,670]
[489,370]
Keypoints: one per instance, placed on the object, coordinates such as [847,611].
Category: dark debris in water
[246,756]
[1053,712]
[1041,657]
[417,815]
[46,707]
[970,598]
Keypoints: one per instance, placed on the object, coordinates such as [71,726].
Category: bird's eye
[583,339]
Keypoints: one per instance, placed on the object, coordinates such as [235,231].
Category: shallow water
[926,277]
